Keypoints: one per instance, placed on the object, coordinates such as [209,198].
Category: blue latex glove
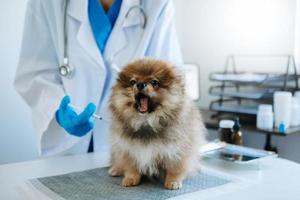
[74,124]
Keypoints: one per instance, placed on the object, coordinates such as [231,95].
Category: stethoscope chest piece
[65,69]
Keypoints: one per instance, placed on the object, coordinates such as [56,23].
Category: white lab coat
[39,83]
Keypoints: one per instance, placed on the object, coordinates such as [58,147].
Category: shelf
[245,78]
[213,123]
[254,94]
[230,107]
[240,93]
[290,130]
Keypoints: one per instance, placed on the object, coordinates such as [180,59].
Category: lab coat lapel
[78,10]
[118,40]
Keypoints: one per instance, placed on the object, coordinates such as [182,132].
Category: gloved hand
[74,124]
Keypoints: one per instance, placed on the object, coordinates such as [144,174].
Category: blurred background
[208,30]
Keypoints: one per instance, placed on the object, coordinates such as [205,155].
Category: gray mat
[97,184]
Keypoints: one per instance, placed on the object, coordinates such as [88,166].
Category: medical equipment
[66,70]
[143,14]
[237,133]
[225,130]
[295,112]
[265,117]
[80,110]
[282,108]
[236,153]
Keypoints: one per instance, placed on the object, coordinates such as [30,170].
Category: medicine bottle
[237,134]
[265,117]
[225,130]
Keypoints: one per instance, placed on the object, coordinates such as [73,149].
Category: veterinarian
[72,50]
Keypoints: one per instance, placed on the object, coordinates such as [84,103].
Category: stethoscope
[66,70]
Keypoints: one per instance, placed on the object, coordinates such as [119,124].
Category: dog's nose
[140,86]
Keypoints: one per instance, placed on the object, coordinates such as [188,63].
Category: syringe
[80,110]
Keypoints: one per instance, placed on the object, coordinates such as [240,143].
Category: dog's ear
[168,75]
[123,79]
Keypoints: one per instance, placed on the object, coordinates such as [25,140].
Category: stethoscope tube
[65,69]
[142,11]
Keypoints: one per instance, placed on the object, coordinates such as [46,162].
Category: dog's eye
[154,83]
[132,82]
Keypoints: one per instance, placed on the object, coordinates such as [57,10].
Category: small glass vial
[237,134]
[225,130]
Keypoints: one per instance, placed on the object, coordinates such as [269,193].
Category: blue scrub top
[102,22]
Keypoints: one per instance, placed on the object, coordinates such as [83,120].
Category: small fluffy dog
[155,126]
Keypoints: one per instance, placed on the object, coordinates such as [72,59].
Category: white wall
[209,30]
[17,141]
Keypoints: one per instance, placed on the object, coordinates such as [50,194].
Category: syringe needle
[80,110]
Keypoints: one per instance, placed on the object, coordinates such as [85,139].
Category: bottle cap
[281,127]
[226,124]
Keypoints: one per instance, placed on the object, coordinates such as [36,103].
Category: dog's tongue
[144,104]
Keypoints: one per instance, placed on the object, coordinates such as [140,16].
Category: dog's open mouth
[142,102]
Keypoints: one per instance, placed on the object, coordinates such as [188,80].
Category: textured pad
[97,184]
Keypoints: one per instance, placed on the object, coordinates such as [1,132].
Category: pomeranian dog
[155,126]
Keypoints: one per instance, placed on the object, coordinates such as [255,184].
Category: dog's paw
[173,185]
[114,172]
[130,181]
